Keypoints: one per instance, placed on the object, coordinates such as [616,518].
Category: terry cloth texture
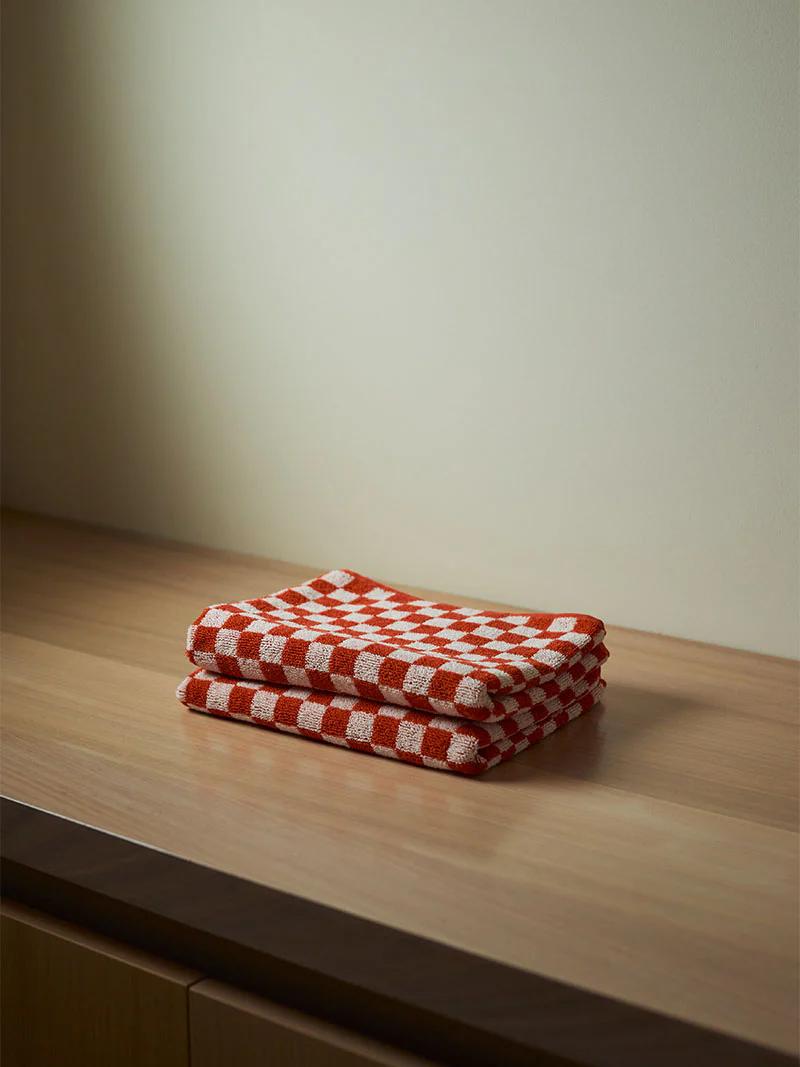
[347,660]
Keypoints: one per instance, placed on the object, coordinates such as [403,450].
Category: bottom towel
[428,740]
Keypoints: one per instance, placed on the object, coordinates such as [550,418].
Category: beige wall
[496,297]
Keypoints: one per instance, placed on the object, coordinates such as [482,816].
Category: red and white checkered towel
[347,660]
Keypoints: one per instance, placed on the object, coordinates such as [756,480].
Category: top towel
[344,633]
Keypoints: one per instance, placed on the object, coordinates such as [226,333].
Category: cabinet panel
[71,997]
[231,1028]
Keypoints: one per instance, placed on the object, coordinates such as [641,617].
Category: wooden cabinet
[71,997]
[230,1028]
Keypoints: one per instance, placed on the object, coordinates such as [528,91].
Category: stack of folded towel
[347,660]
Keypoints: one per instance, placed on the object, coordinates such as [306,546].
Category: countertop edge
[415,993]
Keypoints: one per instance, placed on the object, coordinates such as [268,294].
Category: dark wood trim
[409,991]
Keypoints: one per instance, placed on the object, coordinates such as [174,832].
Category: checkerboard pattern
[344,633]
[437,741]
[346,660]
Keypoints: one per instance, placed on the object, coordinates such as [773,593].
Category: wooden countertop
[647,851]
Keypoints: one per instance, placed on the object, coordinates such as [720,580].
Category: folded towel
[345,659]
[439,741]
[344,633]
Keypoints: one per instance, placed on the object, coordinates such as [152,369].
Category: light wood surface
[70,997]
[647,851]
[229,1027]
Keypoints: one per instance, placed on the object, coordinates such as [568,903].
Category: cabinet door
[230,1028]
[71,997]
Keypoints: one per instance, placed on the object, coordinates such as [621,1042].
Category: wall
[495,297]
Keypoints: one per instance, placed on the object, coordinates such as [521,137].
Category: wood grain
[403,990]
[647,852]
[229,1026]
[74,999]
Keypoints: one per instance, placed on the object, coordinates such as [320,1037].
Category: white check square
[359,726]
[218,696]
[271,649]
[409,736]
[418,679]
[226,641]
[367,666]
[318,657]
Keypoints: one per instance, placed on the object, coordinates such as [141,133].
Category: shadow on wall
[96,347]
[278,280]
